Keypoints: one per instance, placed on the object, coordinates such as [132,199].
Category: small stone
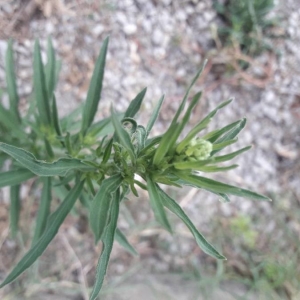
[208,15]
[157,37]
[49,27]
[166,2]
[130,29]
[98,30]
[147,25]
[159,53]
[180,15]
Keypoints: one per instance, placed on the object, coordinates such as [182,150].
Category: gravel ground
[161,44]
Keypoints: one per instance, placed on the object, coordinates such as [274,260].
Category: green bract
[98,166]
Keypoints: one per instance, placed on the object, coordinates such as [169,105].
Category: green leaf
[135,104]
[51,230]
[43,211]
[165,144]
[14,210]
[40,88]
[182,105]
[59,167]
[210,169]
[150,143]
[122,135]
[200,126]
[108,240]
[230,135]
[99,209]
[226,157]
[184,121]
[215,134]
[14,177]
[3,158]
[94,92]
[170,204]
[107,151]
[154,114]
[122,240]
[11,82]
[50,70]
[55,118]
[157,204]
[139,138]
[48,148]
[222,145]
[219,187]
[129,124]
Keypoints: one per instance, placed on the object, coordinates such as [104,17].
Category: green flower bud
[199,149]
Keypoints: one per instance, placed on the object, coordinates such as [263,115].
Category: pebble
[98,30]
[130,29]
[157,37]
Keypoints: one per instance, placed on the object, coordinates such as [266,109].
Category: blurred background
[253,52]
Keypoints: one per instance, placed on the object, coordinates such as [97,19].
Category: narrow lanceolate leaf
[135,104]
[14,177]
[40,87]
[51,230]
[202,166]
[189,110]
[219,187]
[184,121]
[108,240]
[122,240]
[55,118]
[230,135]
[122,135]
[157,204]
[200,126]
[99,209]
[11,82]
[170,204]
[222,145]
[165,144]
[154,114]
[233,132]
[43,211]
[182,105]
[107,151]
[214,135]
[14,210]
[150,143]
[94,92]
[59,167]
[3,158]
[230,156]
[50,70]
[211,169]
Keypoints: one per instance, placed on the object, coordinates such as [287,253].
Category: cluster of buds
[197,149]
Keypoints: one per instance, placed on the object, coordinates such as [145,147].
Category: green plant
[100,170]
[246,23]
